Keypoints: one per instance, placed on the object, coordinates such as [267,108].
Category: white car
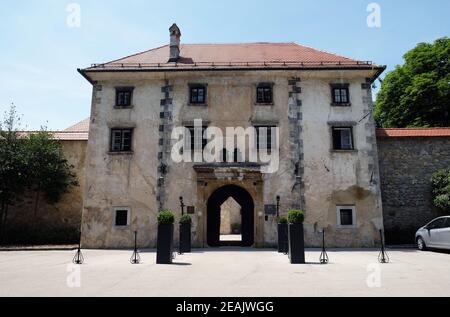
[434,235]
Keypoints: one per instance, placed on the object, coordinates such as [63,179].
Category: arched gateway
[216,200]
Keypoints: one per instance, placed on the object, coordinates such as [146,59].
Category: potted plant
[283,240]
[185,234]
[296,237]
[166,220]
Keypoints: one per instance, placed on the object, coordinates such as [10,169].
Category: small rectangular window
[343,139]
[121,217]
[197,94]
[124,96]
[346,216]
[264,94]
[340,94]
[265,136]
[121,140]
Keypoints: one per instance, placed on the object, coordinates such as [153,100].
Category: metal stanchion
[383,258]
[135,258]
[324,259]
[78,258]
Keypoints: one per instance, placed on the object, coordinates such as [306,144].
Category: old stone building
[320,103]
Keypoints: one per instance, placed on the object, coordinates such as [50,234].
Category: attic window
[340,94]
[197,94]
[264,94]
[124,96]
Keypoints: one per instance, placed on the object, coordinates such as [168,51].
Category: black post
[383,258]
[278,207]
[135,258]
[324,259]
[182,206]
[78,258]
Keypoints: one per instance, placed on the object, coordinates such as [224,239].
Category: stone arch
[215,201]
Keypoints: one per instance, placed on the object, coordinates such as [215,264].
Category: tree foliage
[441,190]
[30,162]
[417,94]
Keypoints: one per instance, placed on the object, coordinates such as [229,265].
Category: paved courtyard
[225,273]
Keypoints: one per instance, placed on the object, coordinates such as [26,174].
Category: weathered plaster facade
[311,176]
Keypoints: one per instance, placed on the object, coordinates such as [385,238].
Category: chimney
[175,36]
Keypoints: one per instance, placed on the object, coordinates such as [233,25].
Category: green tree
[13,165]
[417,94]
[30,162]
[440,183]
[50,174]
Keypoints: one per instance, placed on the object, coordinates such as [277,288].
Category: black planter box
[185,238]
[296,244]
[283,239]
[165,244]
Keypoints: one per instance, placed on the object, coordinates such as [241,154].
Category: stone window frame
[334,103]
[204,86]
[339,208]
[269,126]
[124,89]
[343,124]
[115,211]
[118,152]
[262,85]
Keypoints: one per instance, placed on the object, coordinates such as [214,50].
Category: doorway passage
[230,217]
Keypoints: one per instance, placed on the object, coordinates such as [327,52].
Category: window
[343,139]
[197,94]
[447,224]
[346,216]
[264,137]
[437,224]
[264,94]
[192,132]
[122,217]
[121,140]
[124,96]
[340,94]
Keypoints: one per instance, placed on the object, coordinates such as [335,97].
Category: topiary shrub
[296,216]
[186,219]
[166,218]
[283,221]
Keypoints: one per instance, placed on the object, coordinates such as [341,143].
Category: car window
[437,224]
[447,223]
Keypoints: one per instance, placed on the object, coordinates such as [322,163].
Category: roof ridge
[327,52]
[136,54]
[432,128]
[241,43]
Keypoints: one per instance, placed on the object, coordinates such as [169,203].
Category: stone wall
[407,165]
[54,224]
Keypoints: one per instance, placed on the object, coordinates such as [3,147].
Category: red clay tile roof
[217,56]
[71,136]
[411,133]
[82,126]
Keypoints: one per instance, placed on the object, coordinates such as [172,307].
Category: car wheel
[421,244]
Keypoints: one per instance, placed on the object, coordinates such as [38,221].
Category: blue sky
[39,53]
